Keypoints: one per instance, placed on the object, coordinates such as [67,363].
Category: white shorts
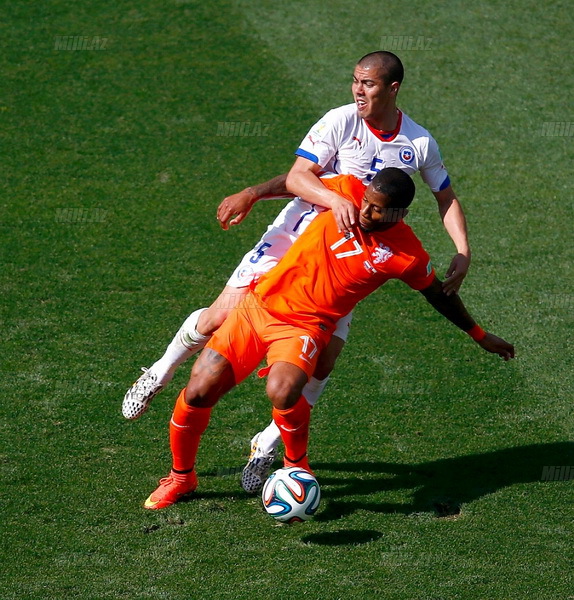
[289,224]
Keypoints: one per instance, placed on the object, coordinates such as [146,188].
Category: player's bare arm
[236,207]
[303,180]
[452,307]
[454,222]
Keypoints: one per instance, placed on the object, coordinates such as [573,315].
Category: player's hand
[345,213]
[455,274]
[496,345]
[235,208]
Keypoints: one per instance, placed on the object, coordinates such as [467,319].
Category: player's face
[372,95]
[375,213]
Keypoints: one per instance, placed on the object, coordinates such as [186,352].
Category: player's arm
[303,180]
[236,207]
[452,307]
[454,222]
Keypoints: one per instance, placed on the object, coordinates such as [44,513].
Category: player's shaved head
[390,65]
[395,184]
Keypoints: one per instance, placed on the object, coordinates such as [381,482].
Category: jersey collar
[387,136]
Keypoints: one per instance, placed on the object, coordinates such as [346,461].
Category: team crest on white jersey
[381,254]
[407,155]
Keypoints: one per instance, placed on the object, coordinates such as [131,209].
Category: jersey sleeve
[419,273]
[347,186]
[433,171]
[321,143]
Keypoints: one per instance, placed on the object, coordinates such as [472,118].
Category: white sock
[187,342]
[270,437]
[313,389]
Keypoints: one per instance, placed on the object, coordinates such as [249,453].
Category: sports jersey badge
[317,131]
[406,154]
[381,254]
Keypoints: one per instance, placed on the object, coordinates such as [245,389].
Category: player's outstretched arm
[303,180]
[454,222]
[496,345]
[236,207]
[452,307]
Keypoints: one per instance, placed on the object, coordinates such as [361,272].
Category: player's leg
[195,332]
[291,412]
[233,352]
[292,352]
[211,377]
[264,444]
[191,337]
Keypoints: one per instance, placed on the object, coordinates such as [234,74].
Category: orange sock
[185,430]
[293,424]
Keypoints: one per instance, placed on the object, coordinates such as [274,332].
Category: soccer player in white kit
[358,139]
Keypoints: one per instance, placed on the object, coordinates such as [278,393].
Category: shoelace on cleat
[146,385]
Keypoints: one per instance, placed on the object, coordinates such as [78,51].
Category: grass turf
[430,454]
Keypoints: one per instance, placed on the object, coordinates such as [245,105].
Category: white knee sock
[270,437]
[313,389]
[187,342]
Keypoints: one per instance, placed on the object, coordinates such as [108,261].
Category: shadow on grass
[343,537]
[441,486]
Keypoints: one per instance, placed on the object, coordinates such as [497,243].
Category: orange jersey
[326,273]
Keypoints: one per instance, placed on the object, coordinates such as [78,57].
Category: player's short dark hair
[396,184]
[390,64]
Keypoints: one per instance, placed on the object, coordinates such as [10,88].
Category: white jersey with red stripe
[344,143]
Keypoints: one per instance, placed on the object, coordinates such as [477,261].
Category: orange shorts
[250,332]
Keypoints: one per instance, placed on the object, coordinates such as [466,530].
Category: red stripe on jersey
[387,136]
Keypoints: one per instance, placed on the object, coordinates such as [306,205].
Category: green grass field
[430,453]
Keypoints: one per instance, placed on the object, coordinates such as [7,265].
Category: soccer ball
[291,494]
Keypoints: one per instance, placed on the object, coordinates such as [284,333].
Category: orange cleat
[171,489]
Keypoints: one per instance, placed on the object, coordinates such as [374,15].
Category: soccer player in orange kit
[292,311]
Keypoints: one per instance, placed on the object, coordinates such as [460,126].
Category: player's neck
[387,121]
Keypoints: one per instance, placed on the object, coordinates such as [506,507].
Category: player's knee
[197,393]
[202,389]
[283,394]
[211,319]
